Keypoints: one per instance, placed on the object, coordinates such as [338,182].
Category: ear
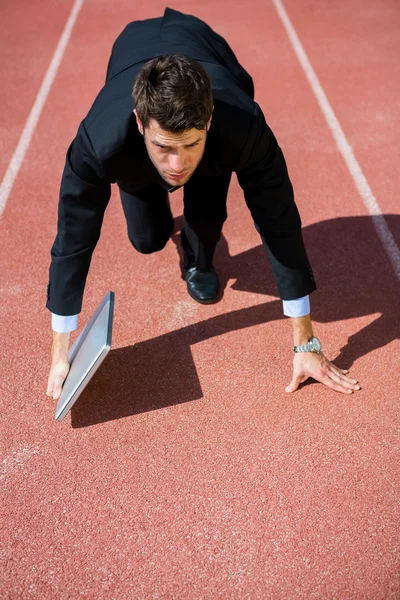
[139,122]
[209,122]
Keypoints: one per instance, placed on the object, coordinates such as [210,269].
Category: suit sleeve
[84,195]
[268,192]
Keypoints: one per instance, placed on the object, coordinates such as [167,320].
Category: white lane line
[343,145]
[33,118]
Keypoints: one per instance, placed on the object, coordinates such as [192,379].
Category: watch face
[316,344]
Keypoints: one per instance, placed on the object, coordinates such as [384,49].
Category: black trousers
[150,222]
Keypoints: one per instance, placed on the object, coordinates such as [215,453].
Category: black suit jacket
[108,148]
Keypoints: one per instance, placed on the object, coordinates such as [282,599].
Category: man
[190,121]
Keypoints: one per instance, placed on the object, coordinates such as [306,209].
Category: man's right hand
[59,364]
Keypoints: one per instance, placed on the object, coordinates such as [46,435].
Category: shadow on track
[354,279]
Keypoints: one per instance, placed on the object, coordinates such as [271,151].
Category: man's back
[173,33]
[110,124]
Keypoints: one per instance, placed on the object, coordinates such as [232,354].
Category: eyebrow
[160,145]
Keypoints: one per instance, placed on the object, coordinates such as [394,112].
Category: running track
[185,471]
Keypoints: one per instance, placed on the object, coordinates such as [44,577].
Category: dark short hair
[175,91]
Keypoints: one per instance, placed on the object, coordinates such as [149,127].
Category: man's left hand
[317,366]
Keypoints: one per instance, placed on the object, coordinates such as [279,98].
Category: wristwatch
[313,345]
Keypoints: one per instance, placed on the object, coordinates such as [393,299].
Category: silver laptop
[86,354]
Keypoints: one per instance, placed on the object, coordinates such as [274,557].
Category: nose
[176,164]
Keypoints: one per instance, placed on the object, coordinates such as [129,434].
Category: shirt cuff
[297,308]
[62,324]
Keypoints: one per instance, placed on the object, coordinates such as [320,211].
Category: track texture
[185,471]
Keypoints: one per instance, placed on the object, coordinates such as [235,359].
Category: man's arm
[84,195]
[306,364]
[263,176]
[315,364]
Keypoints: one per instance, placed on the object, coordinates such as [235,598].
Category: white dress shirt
[291,308]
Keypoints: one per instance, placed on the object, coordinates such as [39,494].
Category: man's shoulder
[236,127]
[110,122]
[233,116]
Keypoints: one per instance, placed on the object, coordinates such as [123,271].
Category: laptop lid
[86,354]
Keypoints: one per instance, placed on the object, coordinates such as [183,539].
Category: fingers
[54,390]
[340,377]
[332,381]
[342,383]
[335,378]
[342,373]
[329,382]
[322,370]
[296,381]
[57,376]
[49,391]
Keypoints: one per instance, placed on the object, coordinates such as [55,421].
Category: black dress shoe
[203,286]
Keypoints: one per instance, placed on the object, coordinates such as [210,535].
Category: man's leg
[204,216]
[148,217]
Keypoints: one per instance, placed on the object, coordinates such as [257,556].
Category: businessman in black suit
[177,110]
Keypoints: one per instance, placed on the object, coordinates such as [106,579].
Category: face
[174,155]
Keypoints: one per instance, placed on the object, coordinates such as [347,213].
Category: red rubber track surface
[185,471]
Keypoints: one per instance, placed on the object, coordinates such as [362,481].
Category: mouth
[180,176]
